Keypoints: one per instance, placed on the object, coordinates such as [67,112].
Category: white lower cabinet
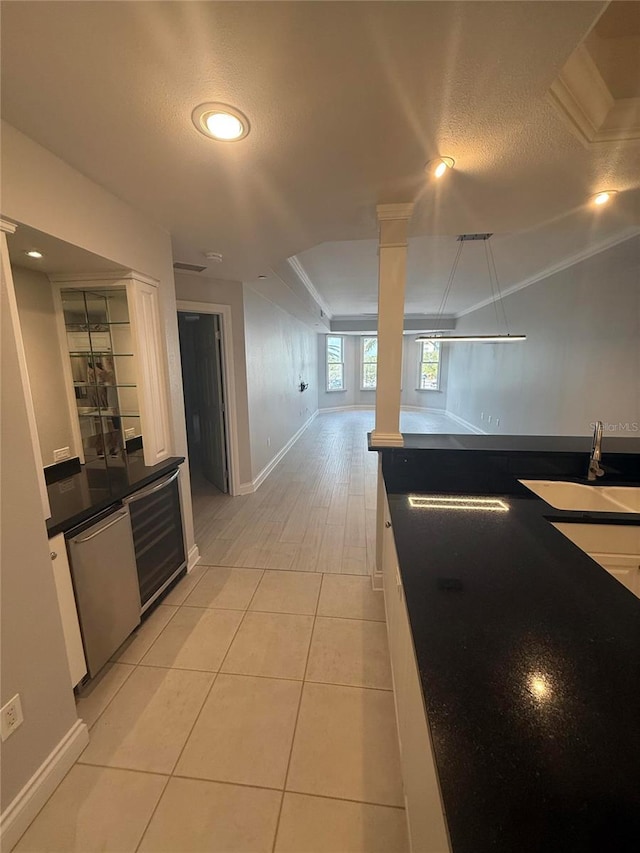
[425,818]
[68,611]
[624,568]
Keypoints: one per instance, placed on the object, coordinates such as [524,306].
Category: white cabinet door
[425,819]
[148,339]
[68,611]
[624,568]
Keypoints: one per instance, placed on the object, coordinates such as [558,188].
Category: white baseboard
[248,488]
[19,814]
[466,424]
[428,409]
[363,407]
[193,558]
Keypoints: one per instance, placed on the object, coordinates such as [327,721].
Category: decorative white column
[392,265]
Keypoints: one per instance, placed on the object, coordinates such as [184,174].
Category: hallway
[253,710]
[316,511]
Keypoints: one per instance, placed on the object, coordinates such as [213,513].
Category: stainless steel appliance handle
[146,492]
[102,529]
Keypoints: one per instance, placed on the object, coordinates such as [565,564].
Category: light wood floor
[316,510]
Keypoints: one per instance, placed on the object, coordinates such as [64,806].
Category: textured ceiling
[347,101]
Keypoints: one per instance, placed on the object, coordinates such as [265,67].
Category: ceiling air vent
[188,267]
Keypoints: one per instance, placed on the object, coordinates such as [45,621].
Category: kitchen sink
[582,498]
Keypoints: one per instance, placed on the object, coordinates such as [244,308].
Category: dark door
[201,351]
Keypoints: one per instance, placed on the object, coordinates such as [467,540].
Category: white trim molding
[8,227]
[7,278]
[564,264]
[303,275]
[386,439]
[583,100]
[231,415]
[193,558]
[254,485]
[472,427]
[18,815]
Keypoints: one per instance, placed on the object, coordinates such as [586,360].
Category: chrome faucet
[596,453]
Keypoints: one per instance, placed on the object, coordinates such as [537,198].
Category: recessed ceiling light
[221,122]
[34,253]
[604,196]
[436,168]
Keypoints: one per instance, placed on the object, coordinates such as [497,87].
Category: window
[429,367]
[369,364]
[335,363]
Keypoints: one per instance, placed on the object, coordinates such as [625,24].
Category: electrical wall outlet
[488,418]
[497,421]
[130,433]
[481,416]
[268,441]
[61,453]
[11,717]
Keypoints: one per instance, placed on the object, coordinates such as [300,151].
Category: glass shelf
[104,385]
[99,342]
[95,327]
[93,354]
[97,414]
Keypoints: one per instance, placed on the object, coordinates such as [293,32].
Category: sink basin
[581,498]
[626,496]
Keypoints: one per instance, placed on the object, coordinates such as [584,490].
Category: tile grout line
[295,725]
[215,678]
[152,815]
[115,663]
[133,668]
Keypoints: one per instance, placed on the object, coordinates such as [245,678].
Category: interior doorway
[205,405]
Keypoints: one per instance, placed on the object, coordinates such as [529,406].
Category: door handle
[146,492]
[102,529]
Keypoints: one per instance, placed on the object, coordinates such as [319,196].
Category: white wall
[46,378]
[580,362]
[194,288]
[34,660]
[279,349]
[42,191]
[353,396]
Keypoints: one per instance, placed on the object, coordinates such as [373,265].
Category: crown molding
[108,275]
[583,100]
[304,278]
[387,212]
[555,268]
[8,227]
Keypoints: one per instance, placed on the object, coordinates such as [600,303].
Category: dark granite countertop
[75,498]
[516,443]
[529,656]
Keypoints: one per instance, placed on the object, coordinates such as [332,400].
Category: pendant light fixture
[498,337]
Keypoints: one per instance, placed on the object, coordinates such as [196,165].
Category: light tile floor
[253,710]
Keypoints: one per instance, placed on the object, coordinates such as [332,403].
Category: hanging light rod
[481,339]
[464,237]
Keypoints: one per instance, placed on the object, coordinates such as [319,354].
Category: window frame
[422,361]
[363,338]
[327,363]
